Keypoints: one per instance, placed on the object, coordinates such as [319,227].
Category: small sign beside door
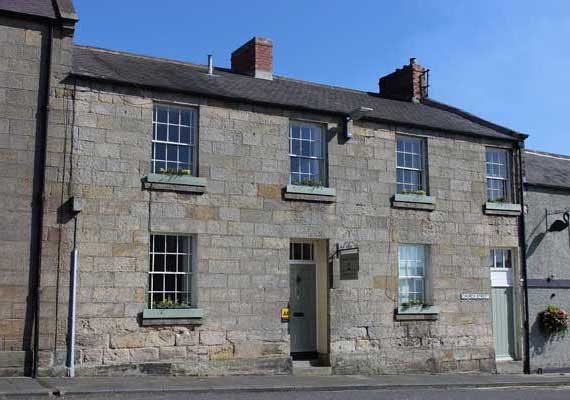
[285,314]
[474,296]
[349,265]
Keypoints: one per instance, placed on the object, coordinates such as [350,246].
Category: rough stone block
[212,338]
[144,354]
[188,338]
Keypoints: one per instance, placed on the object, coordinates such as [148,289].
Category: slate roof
[156,73]
[50,9]
[38,8]
[547,169]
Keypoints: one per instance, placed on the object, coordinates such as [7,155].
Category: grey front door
[502,303]
[302,314]
[503,322]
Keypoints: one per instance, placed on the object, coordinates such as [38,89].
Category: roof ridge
[144,57]
[472,117]
[547,154]
[345,89]
[204,66]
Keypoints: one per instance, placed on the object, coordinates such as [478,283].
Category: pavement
[14,388]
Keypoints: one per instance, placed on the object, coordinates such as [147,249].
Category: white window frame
[322,160]
[421,169]
[506,255]
[171,144]
[303,245]
[505,181]
[423,298]
[188,291]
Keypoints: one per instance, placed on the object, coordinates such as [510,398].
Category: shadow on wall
[531,248]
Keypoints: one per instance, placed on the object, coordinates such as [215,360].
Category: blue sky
[507,61]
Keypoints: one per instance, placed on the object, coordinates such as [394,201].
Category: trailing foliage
[554,320]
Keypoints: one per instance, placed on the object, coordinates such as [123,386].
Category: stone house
[227,220]
[547,204]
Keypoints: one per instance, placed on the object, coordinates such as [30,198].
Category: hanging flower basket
[554,320]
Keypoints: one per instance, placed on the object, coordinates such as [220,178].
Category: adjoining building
[547,203]
[228,220]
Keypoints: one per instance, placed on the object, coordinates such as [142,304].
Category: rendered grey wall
[548,256]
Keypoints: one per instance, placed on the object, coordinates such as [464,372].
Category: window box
[504,209]
[413,201]
[173,182]
[417,313]
[173,313]
[310,193]
[418,309]
[172,316]
[174,179]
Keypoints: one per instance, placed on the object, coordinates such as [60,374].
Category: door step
[505,367]
[310,368]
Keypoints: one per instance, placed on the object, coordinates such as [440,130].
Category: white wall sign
[474,296]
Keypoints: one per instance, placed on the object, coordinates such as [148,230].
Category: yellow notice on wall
[285,314]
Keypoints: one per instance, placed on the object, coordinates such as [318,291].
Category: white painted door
[502,303]
[302,314]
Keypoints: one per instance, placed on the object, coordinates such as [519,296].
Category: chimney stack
[408,83]
[254,58]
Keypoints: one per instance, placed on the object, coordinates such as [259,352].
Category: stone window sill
[413,201]
[175,183]
[417,313]
[175,316]
[310,193]
[503,209]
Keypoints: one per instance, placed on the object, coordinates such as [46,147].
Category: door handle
[298,314]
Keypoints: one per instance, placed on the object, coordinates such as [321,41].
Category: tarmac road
[550,393]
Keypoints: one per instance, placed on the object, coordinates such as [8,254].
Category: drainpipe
[39,192]
[72,304]
[522,241]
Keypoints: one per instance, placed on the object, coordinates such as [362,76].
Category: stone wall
[243,228]
[548,256]
[23,48]
[21,45]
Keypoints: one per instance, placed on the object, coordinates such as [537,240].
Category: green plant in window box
[412,303]
[554,320]
[497,200]
[169,304]
[310,182]
[416,192]
[175,171]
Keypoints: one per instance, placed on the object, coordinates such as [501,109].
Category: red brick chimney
[408,83]
[254,58]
